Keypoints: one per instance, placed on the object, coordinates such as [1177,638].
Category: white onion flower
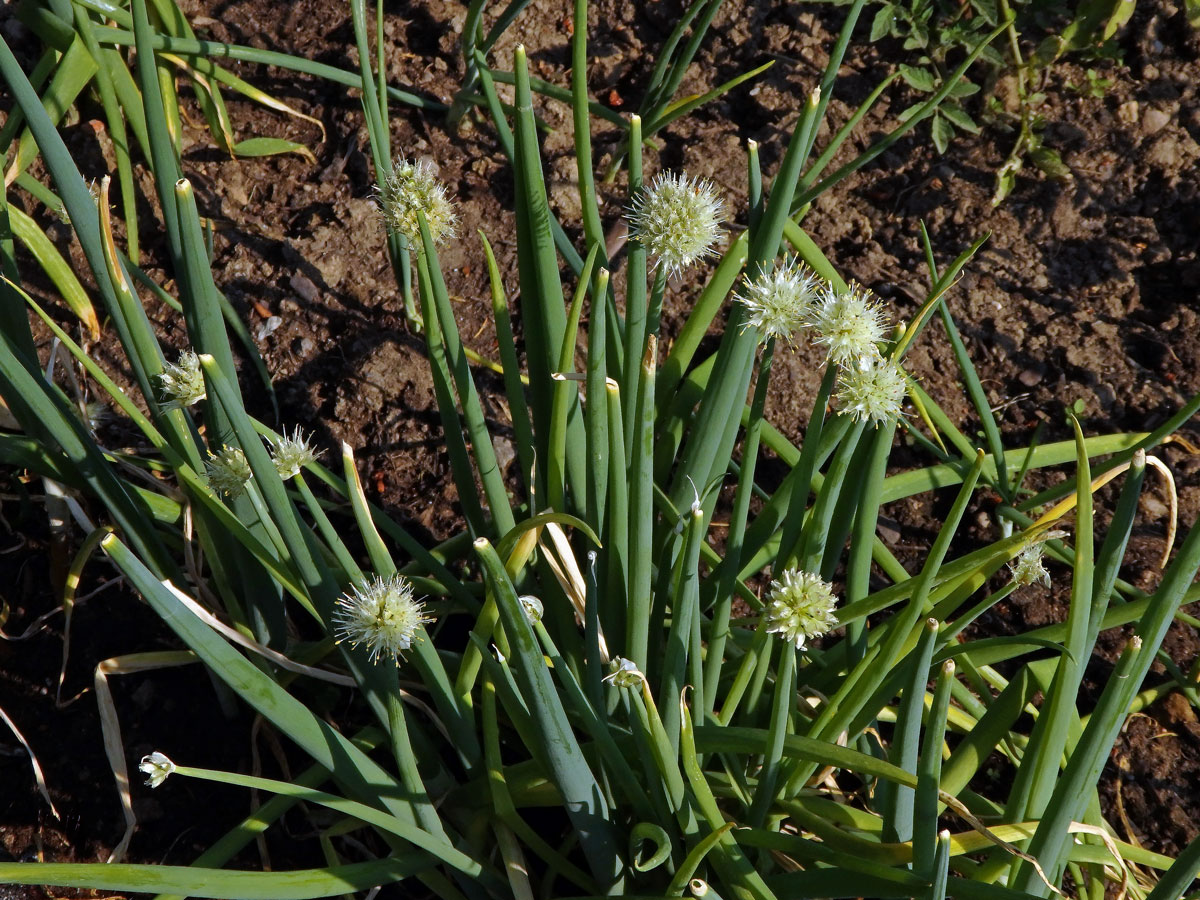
[872,389]
[410,187]
[800,607]
[677,219]
[229,472]
[782,301]
[291,453]
[1028,567]
[157,767]
[850,323]
[383,614]
[182,383]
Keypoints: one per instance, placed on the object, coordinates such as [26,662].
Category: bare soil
[1085,290]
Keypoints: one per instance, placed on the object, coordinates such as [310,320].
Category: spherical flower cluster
[182,383]
[383,615]
[1028,567]
[871,389]
[291,453]
[411,187]
[782,301]
[229,472]
[624,673]
[850,323]
[801,607]
[157,767]
[677,219]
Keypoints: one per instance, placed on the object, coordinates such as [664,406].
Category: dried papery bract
[781,302]
[413,187]
[801,606]
[677,219]
[383,614]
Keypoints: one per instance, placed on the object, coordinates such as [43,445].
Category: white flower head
[410,187]
[677,219]
[182,383]
[850,323]
[383,614]
[781,302]
[624,673]
[229,472]
[291,453]
[871,389]
[1028,567]
[801,607]
[157,767]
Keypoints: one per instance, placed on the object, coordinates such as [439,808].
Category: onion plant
[593,691]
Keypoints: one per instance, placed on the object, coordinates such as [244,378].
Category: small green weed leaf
[963,88]
[918,38]
[1047,51]
[987,11]
[268,146]
[1120,16]
[881,25]
[921,79]
[994,57]
[1050,162]
[942,131]
[959,118]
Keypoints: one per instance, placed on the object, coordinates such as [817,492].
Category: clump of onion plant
[677,219]
[382,614]
[413,187]
[801,606]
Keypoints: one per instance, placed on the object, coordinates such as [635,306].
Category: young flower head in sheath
[677,219]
